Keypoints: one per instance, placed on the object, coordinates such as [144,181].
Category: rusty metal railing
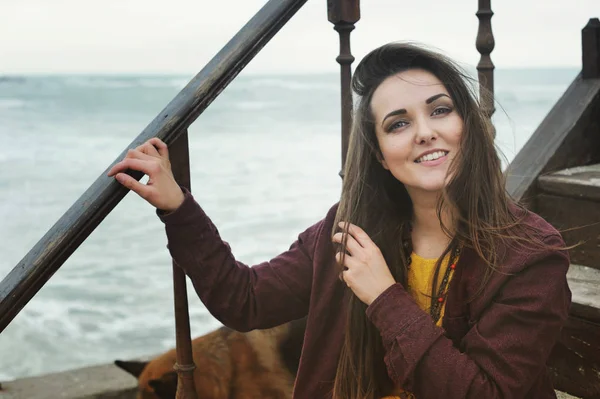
[485,68]
[180,163]
[344,14]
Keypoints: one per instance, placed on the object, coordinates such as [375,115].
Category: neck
[429,239]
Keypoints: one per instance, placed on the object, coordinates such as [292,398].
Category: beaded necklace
[437,301]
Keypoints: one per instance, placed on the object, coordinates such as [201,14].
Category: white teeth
[432,156]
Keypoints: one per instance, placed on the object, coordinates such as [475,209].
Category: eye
[397,125]
[441,110]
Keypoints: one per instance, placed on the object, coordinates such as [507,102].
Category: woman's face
[417,128]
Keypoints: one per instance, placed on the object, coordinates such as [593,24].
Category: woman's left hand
[366,272]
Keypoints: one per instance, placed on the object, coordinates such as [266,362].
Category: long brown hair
[377,202]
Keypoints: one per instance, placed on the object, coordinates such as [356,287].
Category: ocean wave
[291,84]
[95,82]
[178,83]
[11,103]
[252,105]
[126,83]
[11,79]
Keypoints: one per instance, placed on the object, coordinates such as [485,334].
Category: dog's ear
[134,368]
[166,386]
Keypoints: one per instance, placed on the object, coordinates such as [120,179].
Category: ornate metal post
[180,161]
[485,67]
[344,14]
[590,43]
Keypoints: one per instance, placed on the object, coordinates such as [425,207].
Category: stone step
[570,200]
[575,359]
[580,182]
[584,283]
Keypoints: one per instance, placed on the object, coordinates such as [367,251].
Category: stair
[579,182]
[570,200]
[585,287]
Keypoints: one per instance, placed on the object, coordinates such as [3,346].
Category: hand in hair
[151,158]
[365,269]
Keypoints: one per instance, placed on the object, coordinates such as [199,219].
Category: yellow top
[420,278]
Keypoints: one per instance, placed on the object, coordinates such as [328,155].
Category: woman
[425,280]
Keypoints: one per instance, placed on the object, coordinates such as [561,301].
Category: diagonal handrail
[78,222]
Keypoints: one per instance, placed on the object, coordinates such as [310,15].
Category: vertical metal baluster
[485,67]
[180,161]
[344,14]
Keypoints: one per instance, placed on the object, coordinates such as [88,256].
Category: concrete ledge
[96,382]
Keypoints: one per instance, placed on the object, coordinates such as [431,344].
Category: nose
[424,133]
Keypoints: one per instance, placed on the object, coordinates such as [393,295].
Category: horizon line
[15,74]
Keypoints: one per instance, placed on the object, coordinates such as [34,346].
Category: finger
[359,234]
[139,165]
[349,262]
[162,148]
[141,189]
[345,277]
[138,154]
[149,149]
[118,167]
[352,246]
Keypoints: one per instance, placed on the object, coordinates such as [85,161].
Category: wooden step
[584,283]
[580,182]
[570,200]
[575,360]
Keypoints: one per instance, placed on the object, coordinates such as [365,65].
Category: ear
[166,386]
[134,368]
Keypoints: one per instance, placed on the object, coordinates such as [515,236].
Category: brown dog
[229,365]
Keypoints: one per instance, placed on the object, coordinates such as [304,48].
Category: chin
[436,184]
[426,188]
[432,183]
[433,188]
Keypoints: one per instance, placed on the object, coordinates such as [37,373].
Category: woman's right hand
[151,158]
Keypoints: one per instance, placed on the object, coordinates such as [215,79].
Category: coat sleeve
[502,353]
[241,297]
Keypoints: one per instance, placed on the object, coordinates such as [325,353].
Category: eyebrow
[402,111]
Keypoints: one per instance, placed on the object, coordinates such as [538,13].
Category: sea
[265,158]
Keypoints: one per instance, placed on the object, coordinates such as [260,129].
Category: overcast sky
[180,36]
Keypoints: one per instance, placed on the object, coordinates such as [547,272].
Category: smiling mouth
[432,156]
